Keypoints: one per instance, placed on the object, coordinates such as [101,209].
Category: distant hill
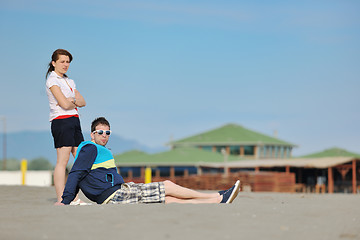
[34,144]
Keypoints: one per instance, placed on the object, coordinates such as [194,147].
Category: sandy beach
[28,213]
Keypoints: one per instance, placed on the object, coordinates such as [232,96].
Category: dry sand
[28,213]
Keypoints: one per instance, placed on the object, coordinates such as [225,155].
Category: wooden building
[232,148]
[238,141]
[332,170]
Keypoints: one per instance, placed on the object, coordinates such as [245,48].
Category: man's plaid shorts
[139,193]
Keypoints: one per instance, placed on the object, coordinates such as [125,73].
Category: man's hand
[58,204]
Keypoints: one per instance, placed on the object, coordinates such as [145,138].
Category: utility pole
[4,143]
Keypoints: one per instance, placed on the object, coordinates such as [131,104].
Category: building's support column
[287,169]
[330,180]
[142,172]
[186,172]
[227,150]
[256,152]
[157,173]
[199,171]
[242,151]
[354,176]
[172,172]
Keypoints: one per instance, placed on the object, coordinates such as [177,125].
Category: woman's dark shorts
[66,132]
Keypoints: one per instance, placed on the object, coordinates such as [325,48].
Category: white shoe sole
[79,202]
[235,192]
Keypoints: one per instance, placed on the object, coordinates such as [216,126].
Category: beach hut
[230,142]
[237,141]
[233,148]
[332,170]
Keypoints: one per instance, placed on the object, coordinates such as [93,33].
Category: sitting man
[94,172]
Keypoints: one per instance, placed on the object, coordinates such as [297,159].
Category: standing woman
[64,101]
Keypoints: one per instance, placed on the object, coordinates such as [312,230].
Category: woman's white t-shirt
[67,87]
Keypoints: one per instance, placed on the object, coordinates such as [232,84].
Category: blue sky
[171,69]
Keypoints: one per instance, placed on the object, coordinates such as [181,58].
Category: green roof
[332,152]
[230,134]
[186,156]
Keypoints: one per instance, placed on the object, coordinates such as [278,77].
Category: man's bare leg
[170,199]
[179,192]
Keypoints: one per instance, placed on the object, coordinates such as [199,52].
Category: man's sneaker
[231,194]
[224,191]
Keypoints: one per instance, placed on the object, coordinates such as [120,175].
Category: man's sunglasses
[101,132]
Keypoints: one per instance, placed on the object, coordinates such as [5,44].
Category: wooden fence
[256,181]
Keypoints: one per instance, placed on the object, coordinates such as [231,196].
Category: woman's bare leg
[73,151]
[63,155]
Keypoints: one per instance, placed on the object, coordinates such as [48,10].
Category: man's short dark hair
[98,121]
